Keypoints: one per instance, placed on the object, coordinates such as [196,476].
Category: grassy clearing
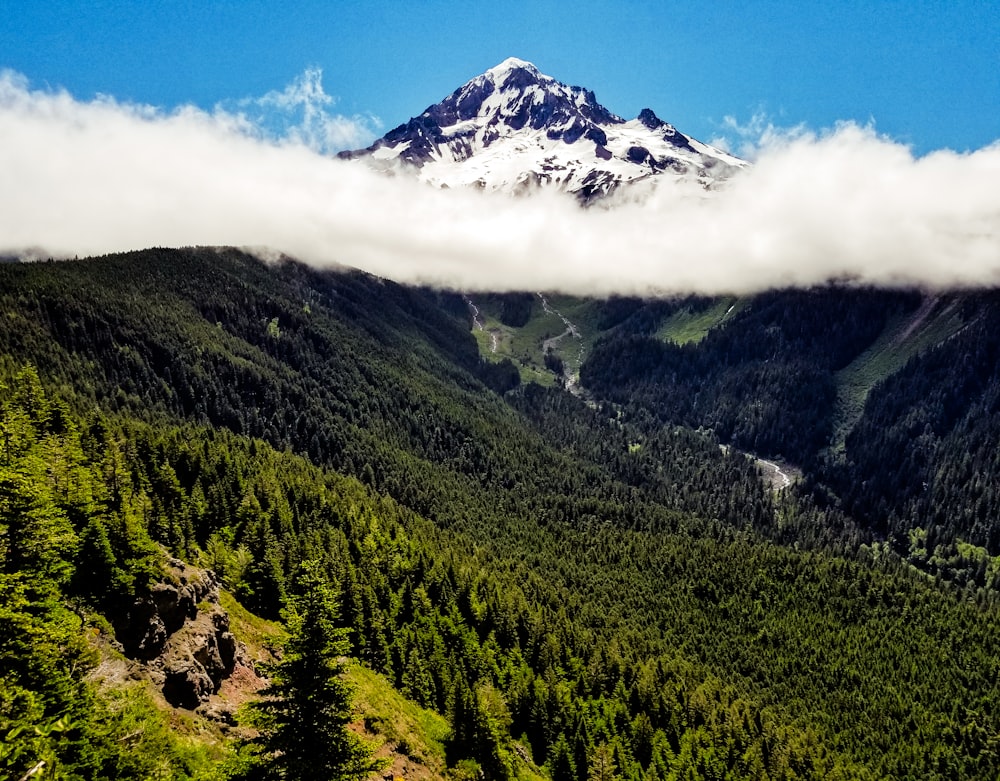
[524,345]
[686,325]
[585,315]
[905,335]
[529,338]
[415,736]
[508,345]
[259,635]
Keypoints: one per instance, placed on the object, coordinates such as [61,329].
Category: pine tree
[97,575]
[602,764]
[307,707]
[581,749]
[561,765]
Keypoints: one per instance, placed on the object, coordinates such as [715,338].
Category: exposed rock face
[197,658]
[182,634]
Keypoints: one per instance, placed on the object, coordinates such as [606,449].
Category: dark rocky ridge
[565,112]
[180,634]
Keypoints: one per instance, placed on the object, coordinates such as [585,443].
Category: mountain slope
[550,589]
[363,375]
[512,128]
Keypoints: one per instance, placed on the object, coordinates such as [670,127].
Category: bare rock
[219,712]
[182,634]
[141,630]
[186,687]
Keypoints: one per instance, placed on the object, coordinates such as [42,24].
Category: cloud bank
[86,178]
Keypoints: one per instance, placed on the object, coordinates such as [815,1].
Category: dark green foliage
[577,632]
[561,765]
[922,456]
[527,565]
[554,363]
[702,479]
[617,309]
[376,380]
[501,376]
[764,382]
[516,308]
[473,621]
[924,452]
[303,716]
[98,578]
[480,724]
[55,502]
[512,309]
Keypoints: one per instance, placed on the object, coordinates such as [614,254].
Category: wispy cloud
[302,113]
[89,177]
[751,138]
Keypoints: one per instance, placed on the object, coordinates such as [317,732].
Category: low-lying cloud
[86,178]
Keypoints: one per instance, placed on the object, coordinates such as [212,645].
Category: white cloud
[101,176]
[757,135]
[301,113]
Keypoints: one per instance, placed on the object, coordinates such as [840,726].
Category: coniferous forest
[582,587]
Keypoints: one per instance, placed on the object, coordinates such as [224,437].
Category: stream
[570,376]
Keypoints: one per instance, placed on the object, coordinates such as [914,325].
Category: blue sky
[235,149]
[926,73]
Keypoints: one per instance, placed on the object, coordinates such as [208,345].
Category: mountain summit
[513,127]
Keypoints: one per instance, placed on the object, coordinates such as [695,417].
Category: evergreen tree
[581,749]
[480,724]
[602,764]
[97,576]
[561,766]
[307,707]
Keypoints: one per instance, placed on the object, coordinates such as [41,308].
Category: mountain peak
[511,64]
[513,127]
[650,120]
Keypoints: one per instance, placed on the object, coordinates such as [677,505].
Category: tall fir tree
[304,716]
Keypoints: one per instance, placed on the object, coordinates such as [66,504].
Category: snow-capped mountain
[513,127]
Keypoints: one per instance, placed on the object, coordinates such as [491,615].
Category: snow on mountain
[513,128]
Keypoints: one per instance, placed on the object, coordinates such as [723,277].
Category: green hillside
[530,587]
[905,336]
[692,323]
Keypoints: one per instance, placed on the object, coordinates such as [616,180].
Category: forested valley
[583,589]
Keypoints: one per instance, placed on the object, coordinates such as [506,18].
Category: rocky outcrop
[181,634]
[197,658]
